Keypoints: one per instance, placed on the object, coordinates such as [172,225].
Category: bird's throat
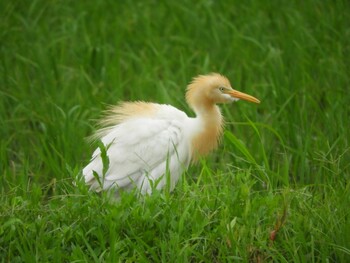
[210,129]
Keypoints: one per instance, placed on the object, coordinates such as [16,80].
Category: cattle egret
[149,145]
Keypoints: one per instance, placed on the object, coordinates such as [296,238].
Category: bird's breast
[205,136]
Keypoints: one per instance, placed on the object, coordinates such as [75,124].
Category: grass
[276,190]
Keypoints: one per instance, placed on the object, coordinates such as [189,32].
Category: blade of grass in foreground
[240,146]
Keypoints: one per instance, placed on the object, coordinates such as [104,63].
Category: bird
[150,145]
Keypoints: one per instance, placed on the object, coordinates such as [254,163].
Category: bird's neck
[210,123]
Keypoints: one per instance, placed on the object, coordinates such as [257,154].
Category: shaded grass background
[63,61]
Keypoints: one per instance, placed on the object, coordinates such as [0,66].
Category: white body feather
[142,149]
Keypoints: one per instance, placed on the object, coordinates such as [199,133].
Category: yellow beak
[243,96]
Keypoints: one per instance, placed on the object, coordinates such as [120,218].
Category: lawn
[277,189]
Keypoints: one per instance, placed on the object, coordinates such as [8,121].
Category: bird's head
[207,90]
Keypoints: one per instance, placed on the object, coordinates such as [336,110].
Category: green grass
[283,165]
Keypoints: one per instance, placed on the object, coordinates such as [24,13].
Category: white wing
[141,151]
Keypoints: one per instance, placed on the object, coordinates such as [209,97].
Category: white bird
[149,145]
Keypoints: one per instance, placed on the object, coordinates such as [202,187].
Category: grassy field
[276,190]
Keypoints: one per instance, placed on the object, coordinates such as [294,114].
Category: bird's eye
[222,89]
